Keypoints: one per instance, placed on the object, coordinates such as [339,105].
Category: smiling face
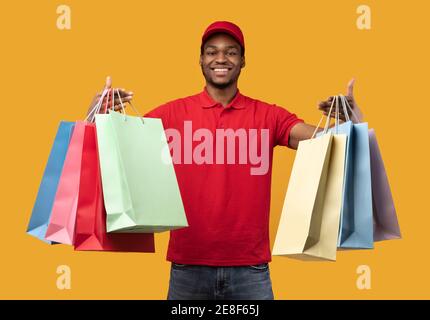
[221,61]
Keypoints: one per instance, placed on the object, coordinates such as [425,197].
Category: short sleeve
[284,122]
[162,112]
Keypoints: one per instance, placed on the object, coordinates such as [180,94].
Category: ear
[201,60]
[242,63]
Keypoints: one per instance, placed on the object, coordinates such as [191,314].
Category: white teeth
[221,70]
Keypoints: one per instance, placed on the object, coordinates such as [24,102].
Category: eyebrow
[227,47]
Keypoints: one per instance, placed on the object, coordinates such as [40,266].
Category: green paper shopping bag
[141,193]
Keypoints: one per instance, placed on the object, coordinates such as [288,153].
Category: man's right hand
[126,96]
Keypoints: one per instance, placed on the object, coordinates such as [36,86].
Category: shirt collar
[206,100]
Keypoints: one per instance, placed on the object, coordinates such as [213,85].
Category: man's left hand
[324,106]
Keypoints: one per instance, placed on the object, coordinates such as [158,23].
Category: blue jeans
[195,282]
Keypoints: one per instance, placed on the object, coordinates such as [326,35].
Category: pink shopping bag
[386,225]
[61,226]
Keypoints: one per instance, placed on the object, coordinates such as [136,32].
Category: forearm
[302,131]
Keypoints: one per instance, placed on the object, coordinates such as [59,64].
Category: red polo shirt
[227,206]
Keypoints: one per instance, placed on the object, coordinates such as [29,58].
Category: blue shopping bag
[356,229]
[48,187]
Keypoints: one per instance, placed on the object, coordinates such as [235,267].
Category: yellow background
[297,53]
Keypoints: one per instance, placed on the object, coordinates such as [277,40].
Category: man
[225,251]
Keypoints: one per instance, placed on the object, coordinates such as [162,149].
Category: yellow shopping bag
[309,224]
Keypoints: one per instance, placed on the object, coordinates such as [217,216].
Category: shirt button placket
[221,118]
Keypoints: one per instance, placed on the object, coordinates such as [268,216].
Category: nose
[220,57]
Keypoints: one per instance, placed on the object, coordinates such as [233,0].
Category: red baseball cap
[224,27]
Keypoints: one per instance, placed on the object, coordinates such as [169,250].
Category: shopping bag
[140,189]
[42,209]
[386,225]
[356,227]
[90,232]
[309,224]
[62,222]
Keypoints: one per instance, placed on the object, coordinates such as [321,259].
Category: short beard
[220,85]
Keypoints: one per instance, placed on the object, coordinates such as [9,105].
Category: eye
[210,53]
[232,53]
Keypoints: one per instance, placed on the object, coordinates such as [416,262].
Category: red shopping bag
[90,232]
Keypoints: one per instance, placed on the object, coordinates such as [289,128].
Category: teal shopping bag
[42,209]
[140,188]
